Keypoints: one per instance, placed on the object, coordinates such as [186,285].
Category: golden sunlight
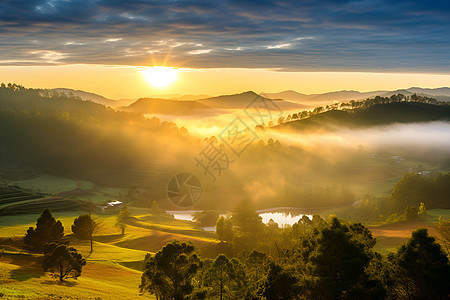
[160,76]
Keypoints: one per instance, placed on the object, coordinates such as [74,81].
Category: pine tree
[47,230]
[420,269]
[169,273]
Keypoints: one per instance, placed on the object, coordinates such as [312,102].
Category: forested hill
[378,114]
[62,135]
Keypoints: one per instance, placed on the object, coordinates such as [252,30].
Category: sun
[160,76]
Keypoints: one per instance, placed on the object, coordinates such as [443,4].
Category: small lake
[281,217]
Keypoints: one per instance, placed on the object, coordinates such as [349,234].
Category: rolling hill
[94,97]
[286,100]
[243,100]
[164,106]
[325,97]
[175,107]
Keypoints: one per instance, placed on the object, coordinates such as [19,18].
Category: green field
[113,270]
[391,236]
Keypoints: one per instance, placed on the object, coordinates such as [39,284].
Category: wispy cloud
[74,43]
[112,40]
[202,51]
[279,46]
[49,56]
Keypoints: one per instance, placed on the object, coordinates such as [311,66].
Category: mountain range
[441,94]
[286,100]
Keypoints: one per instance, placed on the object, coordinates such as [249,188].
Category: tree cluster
[48,238]
[353,105]
[325,260]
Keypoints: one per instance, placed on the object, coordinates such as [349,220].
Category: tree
[169,273]
[84,228]
[248,225]
[441,190]
[420,269]
[410,190]
[411,213]
[422,208]
[224,229]
[256,267]
[318,110]
[220,276]
[124,214]
[63,262]
[47,230]
[205,218]
[280,284]
[340,259]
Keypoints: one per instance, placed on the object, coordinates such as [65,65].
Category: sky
[222,47]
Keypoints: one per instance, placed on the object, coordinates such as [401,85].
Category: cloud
[112,40]
[203,51]
[279,46]
[331,35]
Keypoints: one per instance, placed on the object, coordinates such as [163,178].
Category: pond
[282,217]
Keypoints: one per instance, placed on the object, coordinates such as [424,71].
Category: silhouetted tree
[47,230]
[340,259]
[410,190]
[224,229]
[84,228]
[248,225]
[169,273]
[206,218]
[280,284]
[256,267]
[63,262]
[420,269]
[441,191]
[220,276]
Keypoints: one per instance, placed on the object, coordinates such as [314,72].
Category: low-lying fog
[408,137]
[311,168]
[415,136]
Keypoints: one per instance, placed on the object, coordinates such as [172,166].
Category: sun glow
[159,76]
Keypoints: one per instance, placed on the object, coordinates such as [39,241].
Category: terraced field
[12,194]
[15,200]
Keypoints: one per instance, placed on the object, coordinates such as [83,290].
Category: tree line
[410,197]
[354,105]
[44,130]
[326,259]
